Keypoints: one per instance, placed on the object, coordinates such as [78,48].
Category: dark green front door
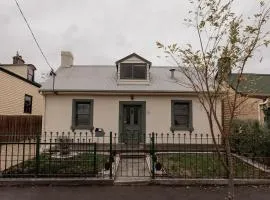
[132,122]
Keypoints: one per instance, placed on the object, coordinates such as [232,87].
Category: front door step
[132,181]
[132,155]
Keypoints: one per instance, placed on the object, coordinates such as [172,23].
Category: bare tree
[226,43]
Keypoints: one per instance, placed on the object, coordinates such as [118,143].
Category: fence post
[111,156]
[153,154]
[95,158]
[37,154]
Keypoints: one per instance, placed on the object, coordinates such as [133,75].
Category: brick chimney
[224,68]
[17,60]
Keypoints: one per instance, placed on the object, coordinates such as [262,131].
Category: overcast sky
[100,31]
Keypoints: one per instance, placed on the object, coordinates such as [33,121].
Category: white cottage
[131,98]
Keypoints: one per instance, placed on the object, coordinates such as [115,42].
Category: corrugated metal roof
[103,78]
[252,84]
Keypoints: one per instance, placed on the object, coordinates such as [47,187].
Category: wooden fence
[13,128]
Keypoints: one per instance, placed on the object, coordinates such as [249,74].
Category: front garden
[79,164]
[250,144]
[204,165]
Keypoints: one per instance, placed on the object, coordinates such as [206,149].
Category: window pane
[83,108]
[136,115]
[82,120]
[27,104]
[181,120]
[82,115]
[30,71]
[127,115]
[139,71]
[30,74]
[28,98]
[30,77]
[181,108]
[181,114]
[125,71]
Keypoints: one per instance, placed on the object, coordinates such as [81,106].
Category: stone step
[132,155]
[122,181]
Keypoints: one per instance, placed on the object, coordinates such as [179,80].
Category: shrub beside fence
[250,139]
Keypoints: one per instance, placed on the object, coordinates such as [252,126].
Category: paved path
[131,193]
[133,167]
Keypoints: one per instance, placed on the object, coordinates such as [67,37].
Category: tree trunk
[230,169]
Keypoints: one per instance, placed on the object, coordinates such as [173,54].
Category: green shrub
[250,138]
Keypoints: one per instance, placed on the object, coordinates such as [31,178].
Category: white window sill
[132,82]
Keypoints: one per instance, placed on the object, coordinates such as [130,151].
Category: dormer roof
[134,55]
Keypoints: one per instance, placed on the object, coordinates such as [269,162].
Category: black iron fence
[84,154]
[53,155]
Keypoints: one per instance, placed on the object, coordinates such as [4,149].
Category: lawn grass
[84,164]
[205,165]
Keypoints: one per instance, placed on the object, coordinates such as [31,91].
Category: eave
[118,93]
[19,77]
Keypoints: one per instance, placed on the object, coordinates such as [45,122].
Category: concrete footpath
[131,193]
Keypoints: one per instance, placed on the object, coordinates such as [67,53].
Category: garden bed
[204,165]
[81,164]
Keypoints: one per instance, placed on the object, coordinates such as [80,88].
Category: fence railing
[83,154]
[52,155]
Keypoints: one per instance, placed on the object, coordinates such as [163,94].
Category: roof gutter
[113,93]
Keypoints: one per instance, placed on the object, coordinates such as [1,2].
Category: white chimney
[66,59]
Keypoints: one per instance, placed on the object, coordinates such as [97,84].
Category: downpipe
[259,108]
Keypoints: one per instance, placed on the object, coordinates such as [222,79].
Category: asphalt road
[131,193]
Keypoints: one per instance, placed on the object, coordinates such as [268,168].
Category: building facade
[19,92]
[131,98]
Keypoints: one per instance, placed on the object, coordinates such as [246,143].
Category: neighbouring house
[253,101]
[19,92]
[131,98]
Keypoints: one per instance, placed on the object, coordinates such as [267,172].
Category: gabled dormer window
[30,74]
[133,71]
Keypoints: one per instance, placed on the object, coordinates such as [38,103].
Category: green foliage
[204,165]
[221,33]
[81,164]
[250,138]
